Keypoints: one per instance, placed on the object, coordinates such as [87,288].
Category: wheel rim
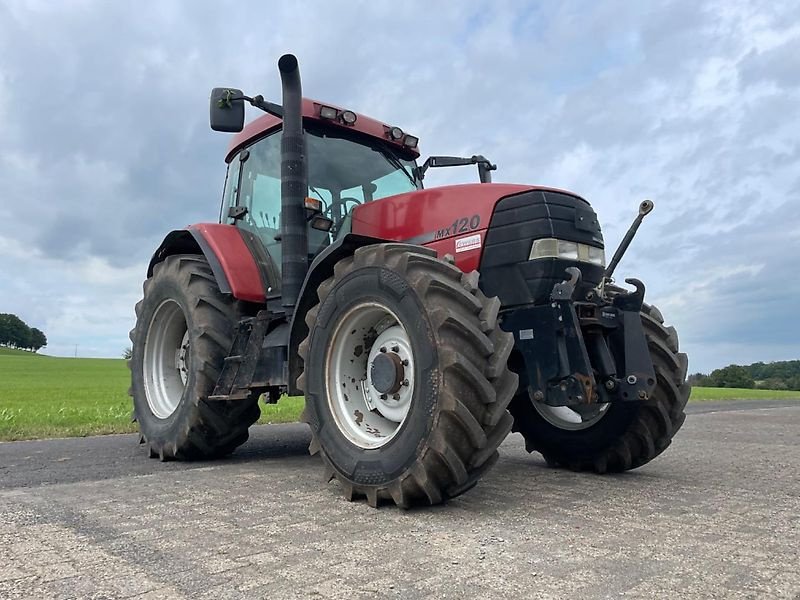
[572,418]
[370,375]
[166,358]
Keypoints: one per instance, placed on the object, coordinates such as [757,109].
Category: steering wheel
[342,202]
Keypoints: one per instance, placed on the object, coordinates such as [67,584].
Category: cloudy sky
[105,145]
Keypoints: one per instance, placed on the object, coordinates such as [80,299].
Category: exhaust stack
[294,185]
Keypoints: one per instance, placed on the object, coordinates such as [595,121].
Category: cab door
[254,185]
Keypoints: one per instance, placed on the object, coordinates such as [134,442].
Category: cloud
[105,146]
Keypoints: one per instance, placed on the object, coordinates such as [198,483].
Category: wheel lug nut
[383,396]
[405,362]
[383,349]
[405,382]
[395,349]
[396,396]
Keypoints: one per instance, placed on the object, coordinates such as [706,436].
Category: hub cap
[370,375]
[571,418]
[166,359]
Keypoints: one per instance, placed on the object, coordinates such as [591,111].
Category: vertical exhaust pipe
[294,185]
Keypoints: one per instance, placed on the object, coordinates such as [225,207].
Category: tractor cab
[348,165]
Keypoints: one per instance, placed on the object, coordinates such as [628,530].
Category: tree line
[15,333]
[781,375]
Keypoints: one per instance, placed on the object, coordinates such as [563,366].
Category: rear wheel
[405,377]
[184,330]
[617,436]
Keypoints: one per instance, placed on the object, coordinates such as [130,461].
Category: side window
[261,187]
[260,192]
[230,191]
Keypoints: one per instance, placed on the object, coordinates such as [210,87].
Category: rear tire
[628,434]
[455,354]
[184,330]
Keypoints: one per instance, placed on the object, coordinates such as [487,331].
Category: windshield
[340,168]
[344,173]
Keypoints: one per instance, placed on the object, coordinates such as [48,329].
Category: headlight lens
[567,250]
[555,248]
[597,256]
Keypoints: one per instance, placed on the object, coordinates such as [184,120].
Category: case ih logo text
[468,243]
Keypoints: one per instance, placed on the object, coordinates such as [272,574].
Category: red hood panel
[451,219]
[427,215]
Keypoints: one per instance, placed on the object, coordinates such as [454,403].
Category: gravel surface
[716,516]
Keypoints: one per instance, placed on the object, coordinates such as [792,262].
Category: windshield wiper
[316,191]
[395,162]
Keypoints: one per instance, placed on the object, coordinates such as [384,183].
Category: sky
[105,145]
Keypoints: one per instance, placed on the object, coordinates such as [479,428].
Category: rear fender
[230,260]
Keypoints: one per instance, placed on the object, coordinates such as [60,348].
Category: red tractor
[422,325]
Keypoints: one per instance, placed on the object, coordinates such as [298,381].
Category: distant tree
[758,370]
[127,353]
[14,332]
[732,376]
[38,339]
[772,383]
[779,375]
[699,380]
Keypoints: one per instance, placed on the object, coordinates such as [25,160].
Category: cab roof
[311,112]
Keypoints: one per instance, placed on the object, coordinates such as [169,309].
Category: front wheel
[405,377]
[618,436]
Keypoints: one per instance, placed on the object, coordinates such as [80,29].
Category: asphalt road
[716,516]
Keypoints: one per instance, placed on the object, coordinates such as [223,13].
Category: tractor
[422,325]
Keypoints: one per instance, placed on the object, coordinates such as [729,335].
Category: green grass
[43,396]
[705,394]
[15,352]
[287,410]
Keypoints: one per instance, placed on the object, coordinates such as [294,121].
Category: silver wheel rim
[572,418]
[166,357]
[365,416]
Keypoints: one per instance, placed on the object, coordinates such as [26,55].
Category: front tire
[184,330]
[618,436]
[443,374]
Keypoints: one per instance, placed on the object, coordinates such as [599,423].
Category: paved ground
[717,516]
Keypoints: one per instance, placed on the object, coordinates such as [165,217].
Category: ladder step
[239,395]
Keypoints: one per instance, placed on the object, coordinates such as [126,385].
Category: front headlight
[554,248]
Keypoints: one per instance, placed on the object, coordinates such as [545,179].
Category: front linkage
[589,351]
[584,352]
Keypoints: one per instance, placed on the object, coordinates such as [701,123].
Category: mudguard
[229,257]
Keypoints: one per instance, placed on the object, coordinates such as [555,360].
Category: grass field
[43,396]
[702,394]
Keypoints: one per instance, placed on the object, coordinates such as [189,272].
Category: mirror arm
[276,110]
[421,170]
[484,165]
[259,102]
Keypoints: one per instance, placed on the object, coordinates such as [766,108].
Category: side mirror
[226,110]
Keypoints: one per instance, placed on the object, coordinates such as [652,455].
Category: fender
[229,257]
[320,270]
